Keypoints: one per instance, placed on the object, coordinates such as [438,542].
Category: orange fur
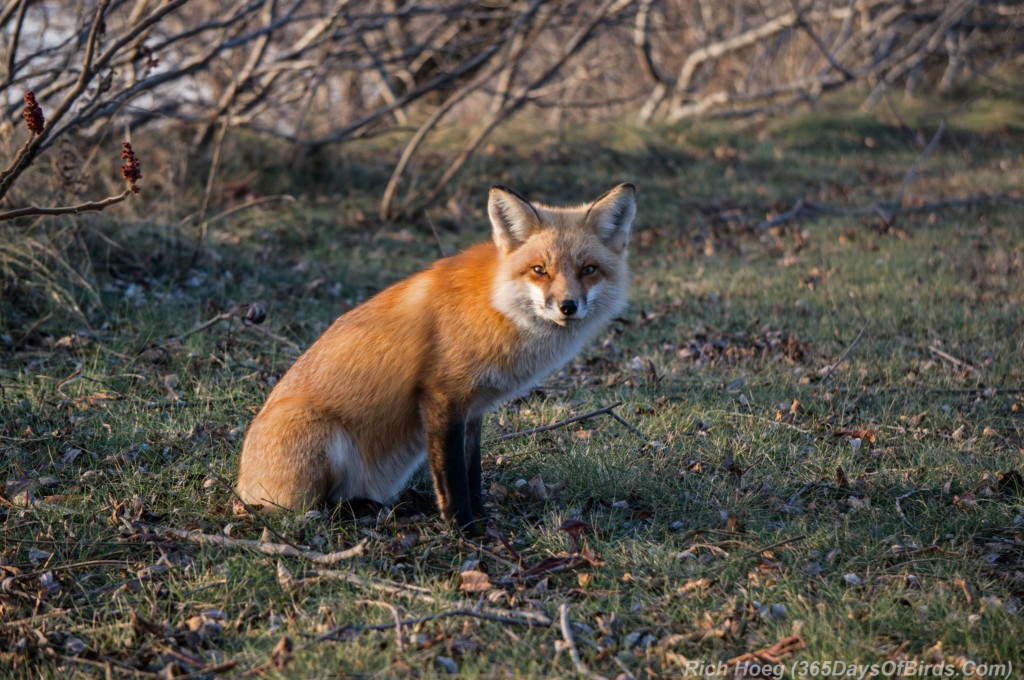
[413,369]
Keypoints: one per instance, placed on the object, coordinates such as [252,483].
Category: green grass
[877,550]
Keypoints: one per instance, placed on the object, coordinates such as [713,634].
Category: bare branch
[31,211]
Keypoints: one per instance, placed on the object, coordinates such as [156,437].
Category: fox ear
[611,216]
[513,219]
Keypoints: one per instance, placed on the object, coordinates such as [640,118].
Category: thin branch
[509,616]
[802,22]
[252,511]
[951,359]
[773,546]
[400,643]
[886,210]
[622,421]
[799,208]
[223,316]
[219,541]
[12,46]
[899,503]
[832,368]
[569,643]
[912,171]
[390,587]
[30,211]
[568,421]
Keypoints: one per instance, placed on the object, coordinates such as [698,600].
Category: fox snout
[564,309]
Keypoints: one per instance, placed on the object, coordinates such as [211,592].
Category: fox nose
[568,307]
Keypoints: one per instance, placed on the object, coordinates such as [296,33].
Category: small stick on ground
[492,530]
[285,550]
[569,643]
[398,619]
[842,357]
[511,616]
[773,546]
[899,504]
[951,359]
[251,510]
[223,316]
[606,410]
[625,423]
[392,587]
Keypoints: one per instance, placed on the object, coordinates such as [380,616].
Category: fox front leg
[446,452]
[474,426]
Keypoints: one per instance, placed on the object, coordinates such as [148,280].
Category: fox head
[561,266]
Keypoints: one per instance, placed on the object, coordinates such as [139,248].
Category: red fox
[410,373]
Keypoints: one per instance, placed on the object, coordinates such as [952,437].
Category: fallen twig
[144,575]
[568,642]
[286,550]
[223,316]
[899,503]
[392,587]
[773,546]
[886,210]
[799,208]
[832,368]
[251,510]
[492,530]
[606,410]
[107,665]
[912,171]
[622,421]
[951,359]
[398,619]
[516,617]
[263,200]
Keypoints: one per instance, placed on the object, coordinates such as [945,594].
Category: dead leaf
[498,491]
[856,503]
[144,625]
[966,502]
[282,653]
[403,544]
[284,577]
[474,581]
[37,556]
[695,585]
[575,529]
[913,421]
[203,627]
[864,434]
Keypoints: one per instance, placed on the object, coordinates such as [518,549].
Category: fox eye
[588,270]
[539,270]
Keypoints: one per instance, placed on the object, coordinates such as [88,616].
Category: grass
[743,516]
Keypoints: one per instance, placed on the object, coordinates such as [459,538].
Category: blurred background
[402,112]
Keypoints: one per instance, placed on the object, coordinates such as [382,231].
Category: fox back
[409,374]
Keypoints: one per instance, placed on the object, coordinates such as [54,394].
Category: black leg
[473,430]
[446,438]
